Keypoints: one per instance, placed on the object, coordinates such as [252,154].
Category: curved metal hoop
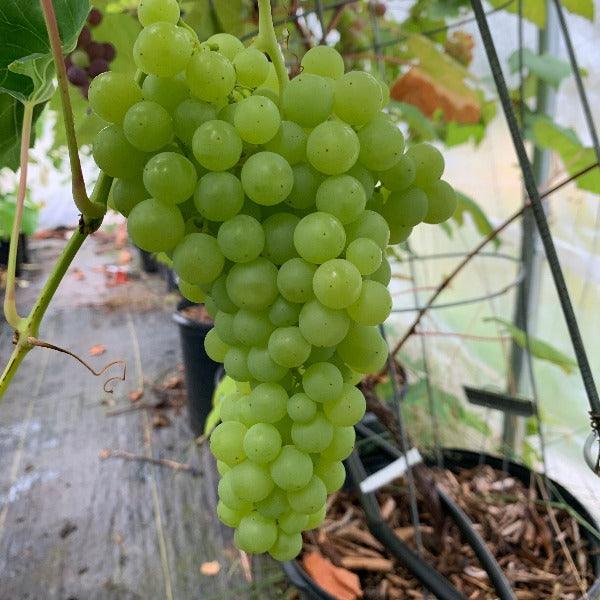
[591,456]
[476,299]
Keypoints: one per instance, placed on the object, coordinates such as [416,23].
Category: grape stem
[10,301]
[266,41]
[88,209]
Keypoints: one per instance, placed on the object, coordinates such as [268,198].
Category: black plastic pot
[456,460]
[149,263]
[199,370]
[22,253]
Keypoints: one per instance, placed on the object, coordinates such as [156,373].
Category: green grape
[212,309]
[228,496]
[301,408]
[272,81]
[287,347]
[252,328]
[263,368]
[284,313]
[341,445]
[407,208]
[170,177]
[228,516]
[190,292]
[428,161]
[217,145]
[363,349]
[229,409]
[365,178]
[324,61]
[250,481]
[369,225]
[219,196]
[267,403]
[332,474]
[197,259]
[267,93]
[236,363]
[381,144]
[401,176]
[162,49]
[154,11]
[442,202]
[292,469]
[287,546]
[316,519]
[322,382]
[307,100]
[111,95]
[274,504]
[127,193]
[227,443]
[228,44]
[373,306]
[257,119]
[80,58]
[304,190]
[365,255]
[253,285]
[215,347]
[319,237]
[314,435]
[332,147]
[279,237]
[310,498]
[319,354]
[347,409]
[148,126]
[357,98]
[241,238]
[223,468]
[294,280]
[251,67]
[385,93]
[342,196]
[227,113]
[383,273]
[252,210]
[189,115]
[337,283]
[255,533]
[211,76]
[224,327]
[169,92]
[292,522]
[115,155]
[267,178]
[262,443]
[218,292]
[289,142]
[322,326]
[154,226]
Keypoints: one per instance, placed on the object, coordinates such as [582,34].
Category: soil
[540,549]
[197,313]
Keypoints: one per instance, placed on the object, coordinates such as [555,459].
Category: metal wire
[475,300]
[538,211]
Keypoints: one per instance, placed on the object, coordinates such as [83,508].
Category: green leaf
[584,8]
[533,10]
[201,17]
[574,155]
[7,214]
[121,30]
[539,349]
[468,206]
[231,14]
[416,120]
[457,133]
[26,68]
[547,67]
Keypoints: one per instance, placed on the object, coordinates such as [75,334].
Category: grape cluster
[90,58]
[276,211]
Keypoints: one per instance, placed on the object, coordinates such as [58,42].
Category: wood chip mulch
[543,552]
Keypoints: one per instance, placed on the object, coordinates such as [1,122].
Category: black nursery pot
[199,370]
[149,263]
[457,460]
[22,253]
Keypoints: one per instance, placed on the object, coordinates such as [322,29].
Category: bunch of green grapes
[276,211]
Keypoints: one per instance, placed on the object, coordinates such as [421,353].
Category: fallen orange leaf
[136,395]
[340,583]
[210,568]
[97,350]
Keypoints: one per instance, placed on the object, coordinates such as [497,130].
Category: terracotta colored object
[340,583]
[419,89]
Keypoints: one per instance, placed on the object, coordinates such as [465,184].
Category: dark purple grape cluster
[90,58]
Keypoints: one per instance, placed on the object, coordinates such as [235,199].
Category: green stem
[88,209]
[266,41]
[10,299]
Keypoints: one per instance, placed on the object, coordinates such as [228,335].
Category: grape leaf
[201,17]
[545,66]
[584,8]
[538,348]
[533,10]
[468,206]
[7,214]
